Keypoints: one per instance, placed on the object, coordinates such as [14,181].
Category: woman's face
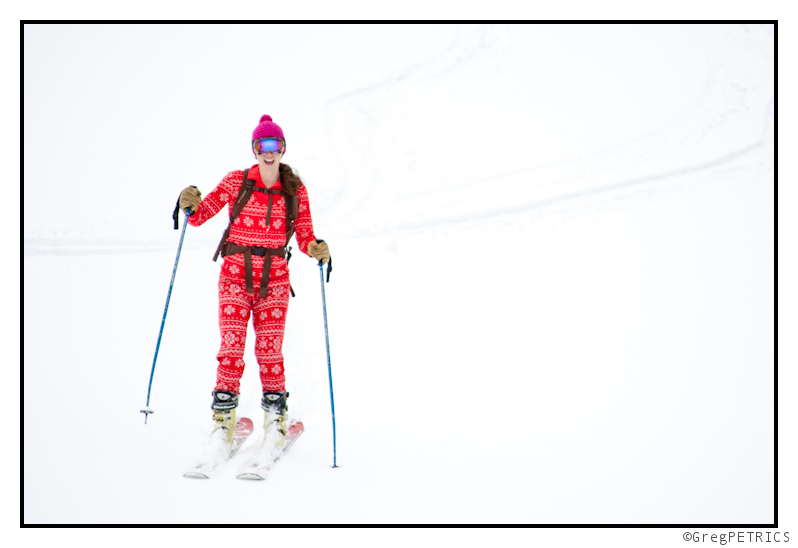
[269,162]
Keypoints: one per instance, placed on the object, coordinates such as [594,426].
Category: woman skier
[268,203]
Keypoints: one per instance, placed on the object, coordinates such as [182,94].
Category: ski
[259,468]
[204,469]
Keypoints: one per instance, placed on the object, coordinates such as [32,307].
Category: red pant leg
[234,310]
[269,319]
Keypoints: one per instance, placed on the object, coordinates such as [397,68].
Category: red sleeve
[224,193]
[303,224]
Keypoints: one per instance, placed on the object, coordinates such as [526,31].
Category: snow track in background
[373,107]
[586,189]
[380,142]
[732,116]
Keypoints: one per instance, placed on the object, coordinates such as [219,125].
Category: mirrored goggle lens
[262,146]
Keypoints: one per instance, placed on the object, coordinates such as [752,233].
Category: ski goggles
[262,146]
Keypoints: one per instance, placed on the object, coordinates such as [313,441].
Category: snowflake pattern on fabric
[255,232]
[280,292]
[268,316]
[235,305]
[224,384]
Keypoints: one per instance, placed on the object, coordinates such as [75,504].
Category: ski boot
[224,412]
[274,406]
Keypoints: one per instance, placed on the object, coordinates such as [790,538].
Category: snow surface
[553,294]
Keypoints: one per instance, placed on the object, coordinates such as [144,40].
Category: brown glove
[190,197]
[319,250]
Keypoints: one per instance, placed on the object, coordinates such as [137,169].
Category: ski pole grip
[177,208]
[329,263]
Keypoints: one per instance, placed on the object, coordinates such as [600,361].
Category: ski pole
[327,339]
[147,410]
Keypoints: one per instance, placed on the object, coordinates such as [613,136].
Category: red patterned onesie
[235,305]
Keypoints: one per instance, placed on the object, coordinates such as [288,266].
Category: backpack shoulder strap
[291,211]
[244,193]
[247,187]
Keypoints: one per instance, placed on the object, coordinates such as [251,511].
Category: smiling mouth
[269,162]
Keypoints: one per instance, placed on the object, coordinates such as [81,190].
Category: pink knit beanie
[267,128]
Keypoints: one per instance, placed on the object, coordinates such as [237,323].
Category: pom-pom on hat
[267,128]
